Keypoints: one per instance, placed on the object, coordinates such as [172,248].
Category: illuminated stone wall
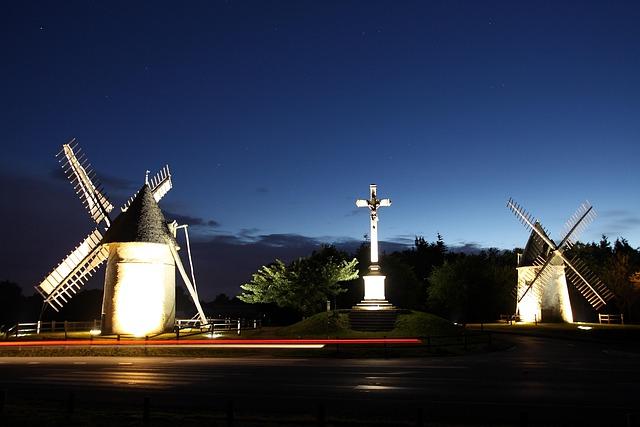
[139,290]
[530,307]
[553,303]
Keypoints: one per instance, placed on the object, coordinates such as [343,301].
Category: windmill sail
[591,288]
[576,225]
[80,174]
[530,222]
[160,184]
[74,271]
[536,281]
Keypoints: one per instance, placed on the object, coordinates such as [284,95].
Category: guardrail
[214,325]
[611,318]
[31,328]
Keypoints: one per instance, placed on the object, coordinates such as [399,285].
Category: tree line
[462,287]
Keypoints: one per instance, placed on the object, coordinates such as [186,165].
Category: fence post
[53,326]
[238,326]
[38,328]
[622,318]
[17,329]
[65,329]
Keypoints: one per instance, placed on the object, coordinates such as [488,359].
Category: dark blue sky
[275,116]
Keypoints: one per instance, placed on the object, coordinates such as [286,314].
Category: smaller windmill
[543,270]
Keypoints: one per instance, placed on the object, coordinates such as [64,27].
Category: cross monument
[374,281]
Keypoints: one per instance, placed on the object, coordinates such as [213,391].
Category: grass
[335,324]
[580,331]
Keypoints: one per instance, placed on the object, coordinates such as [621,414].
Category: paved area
[538,381]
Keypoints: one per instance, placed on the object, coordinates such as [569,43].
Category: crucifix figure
[373,204]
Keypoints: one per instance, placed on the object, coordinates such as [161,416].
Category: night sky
[275,116]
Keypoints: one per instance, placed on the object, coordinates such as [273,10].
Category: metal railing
[35,328]
[611,318]
[213,325]
[217,325]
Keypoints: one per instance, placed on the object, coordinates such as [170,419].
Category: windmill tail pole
[192,291]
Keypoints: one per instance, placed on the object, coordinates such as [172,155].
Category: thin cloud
[467,248]
[404,239]
[191,220]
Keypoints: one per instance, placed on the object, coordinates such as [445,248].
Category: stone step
[362,319]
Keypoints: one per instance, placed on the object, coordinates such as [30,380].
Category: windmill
[543,270]
[140,249]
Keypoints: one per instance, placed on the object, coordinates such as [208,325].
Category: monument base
[374,312]
[373,316]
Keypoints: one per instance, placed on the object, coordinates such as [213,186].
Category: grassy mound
[336,324]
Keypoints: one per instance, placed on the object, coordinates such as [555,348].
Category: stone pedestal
[374,312]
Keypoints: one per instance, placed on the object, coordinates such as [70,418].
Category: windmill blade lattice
[536,281]
[82,177]
[530,222]
[523,216]
[74,271]
[589,285]
[160,185]
[576,225]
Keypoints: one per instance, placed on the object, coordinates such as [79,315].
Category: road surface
[538,381]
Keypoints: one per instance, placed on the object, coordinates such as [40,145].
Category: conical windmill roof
[143,221]
[535,247]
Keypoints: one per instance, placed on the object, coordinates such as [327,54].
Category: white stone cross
[373,204]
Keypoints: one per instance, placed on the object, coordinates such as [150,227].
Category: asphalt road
[538,381]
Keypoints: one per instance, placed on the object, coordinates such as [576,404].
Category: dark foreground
[538,381]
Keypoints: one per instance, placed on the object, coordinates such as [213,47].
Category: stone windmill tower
[544,270]
[139,247]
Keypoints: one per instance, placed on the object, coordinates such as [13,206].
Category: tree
[617,266]
[473,287]
[305,284]
[11,300]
